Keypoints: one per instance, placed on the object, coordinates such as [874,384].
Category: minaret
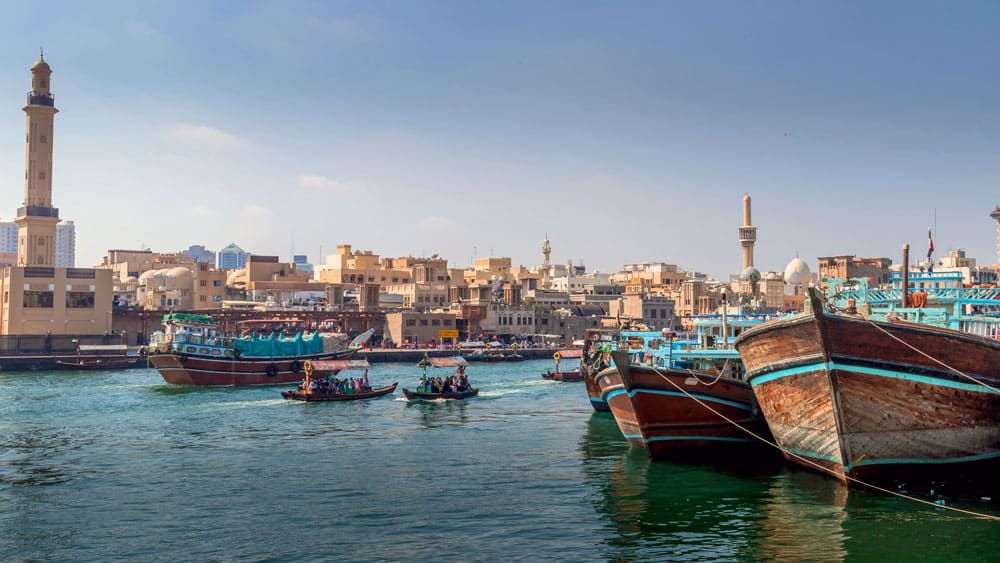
[748,234]
[36,219]
[996,215]
[546,253]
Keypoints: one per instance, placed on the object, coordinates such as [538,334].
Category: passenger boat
[315,369]
[565,376]
[193,351]
[875,391]
[686,399]
[457,362]
[100,357]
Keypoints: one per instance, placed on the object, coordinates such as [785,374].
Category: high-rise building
[66,245]
[8,236]
[232,257]
[301,262]
[198,254]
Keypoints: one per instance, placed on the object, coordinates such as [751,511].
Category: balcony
[38,211]
[41,100]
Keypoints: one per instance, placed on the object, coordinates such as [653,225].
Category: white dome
[797,272]
[180,272]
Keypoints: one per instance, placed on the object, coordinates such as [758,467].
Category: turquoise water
[118,465]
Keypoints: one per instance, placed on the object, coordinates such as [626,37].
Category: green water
[120,466]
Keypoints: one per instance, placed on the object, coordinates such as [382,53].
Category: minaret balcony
[41,100]
[38,211]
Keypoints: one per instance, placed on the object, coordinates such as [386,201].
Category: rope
[816,465]
[929,357]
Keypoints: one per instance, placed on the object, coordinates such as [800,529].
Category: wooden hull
[564,376]
[183,369]
[839,392]
[418,396]
[655,414]
[590,377]
[295,395]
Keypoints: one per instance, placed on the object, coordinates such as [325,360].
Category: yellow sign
[448,333]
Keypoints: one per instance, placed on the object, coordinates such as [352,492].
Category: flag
[930,244]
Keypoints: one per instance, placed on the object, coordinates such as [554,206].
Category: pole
[906,274]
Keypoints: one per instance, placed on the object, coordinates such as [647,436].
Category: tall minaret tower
[546,267]
[36,219]
[996,215]
[748,234]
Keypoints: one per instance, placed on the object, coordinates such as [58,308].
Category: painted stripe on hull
[690,438]
[832,365]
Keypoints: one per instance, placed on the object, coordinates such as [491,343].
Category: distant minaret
[996,215]
[36,219]
[748,234]
[546,254]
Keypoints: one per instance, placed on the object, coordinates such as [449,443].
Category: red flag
[930,244]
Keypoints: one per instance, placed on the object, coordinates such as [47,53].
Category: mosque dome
[751,274]
[145,276]
[179,272]
[772,276]
[40,65]
[236,277]
[797,272]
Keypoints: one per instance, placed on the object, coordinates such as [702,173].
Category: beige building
[348,267]
[410,327]
[39,298]
[849,266]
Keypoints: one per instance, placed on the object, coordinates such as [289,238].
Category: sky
[624,131]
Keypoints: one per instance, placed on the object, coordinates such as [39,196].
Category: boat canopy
[271,345]
[570,353]
[339,365]
[449,362]
[188,318]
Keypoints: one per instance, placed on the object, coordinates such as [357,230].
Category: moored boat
[100,357]
[193,351]
[873,397]
[421,396]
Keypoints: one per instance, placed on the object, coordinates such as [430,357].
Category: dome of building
[751,274]
[145,276]
[40,64]
[772,276]
[236,277]
[797,272]
[179,272]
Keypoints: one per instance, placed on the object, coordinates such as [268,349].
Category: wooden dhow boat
[686,400]
[875,397]
[193,351]
[100,357]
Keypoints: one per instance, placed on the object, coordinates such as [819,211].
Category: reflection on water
[802,517]
[440,413]
[35,458]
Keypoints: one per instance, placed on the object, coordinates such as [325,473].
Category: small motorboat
[419,396]
[296,395]
[565,376]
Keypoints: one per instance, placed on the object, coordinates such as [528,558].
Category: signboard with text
[448,333]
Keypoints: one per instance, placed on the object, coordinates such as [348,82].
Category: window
[447,322]
[411,322]
[79,300]
[217,283]
[203,283]
[39,299]
[42,138]
[423,322]
[435,322]
[202,298]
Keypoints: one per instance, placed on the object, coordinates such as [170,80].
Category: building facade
[232,257]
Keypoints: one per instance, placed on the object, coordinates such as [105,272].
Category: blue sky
[626,131]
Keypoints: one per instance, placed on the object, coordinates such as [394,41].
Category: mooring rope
[818,466]
[928,356]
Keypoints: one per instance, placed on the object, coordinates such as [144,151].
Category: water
[118,465]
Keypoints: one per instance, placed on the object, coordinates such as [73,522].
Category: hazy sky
[627,131]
